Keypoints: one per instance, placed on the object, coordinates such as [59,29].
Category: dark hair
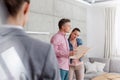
[75,29]
[62,22]
[13,6]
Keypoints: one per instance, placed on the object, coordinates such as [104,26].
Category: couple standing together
[64,48]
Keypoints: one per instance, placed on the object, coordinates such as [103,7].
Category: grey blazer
[25,58]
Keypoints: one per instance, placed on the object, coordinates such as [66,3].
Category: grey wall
[45,14]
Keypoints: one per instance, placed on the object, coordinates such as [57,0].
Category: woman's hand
[73,52]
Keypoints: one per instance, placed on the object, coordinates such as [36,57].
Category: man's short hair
[62,22]
[13,6]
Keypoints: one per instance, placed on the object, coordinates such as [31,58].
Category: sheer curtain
[110,33]
[117,25]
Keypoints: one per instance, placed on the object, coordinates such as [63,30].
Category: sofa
[111,66]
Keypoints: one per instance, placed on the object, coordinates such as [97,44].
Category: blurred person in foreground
[22,57]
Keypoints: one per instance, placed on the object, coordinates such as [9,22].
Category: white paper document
[80,51]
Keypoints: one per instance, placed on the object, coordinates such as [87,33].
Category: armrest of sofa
[115,65]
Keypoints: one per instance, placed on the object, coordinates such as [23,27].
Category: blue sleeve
[70,45]
[79,42]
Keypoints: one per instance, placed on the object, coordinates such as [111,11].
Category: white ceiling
[96,1]
[100,2]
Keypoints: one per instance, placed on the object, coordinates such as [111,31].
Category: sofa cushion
[100,66]
[90,67]
[85,59]
[115,65]
[102,60]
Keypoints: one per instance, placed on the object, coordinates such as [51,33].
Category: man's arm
[59,53]
[51,70]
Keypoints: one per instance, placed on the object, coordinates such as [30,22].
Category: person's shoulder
[36,45]
[79,39]
[56,36]
[39,50]
[39,43]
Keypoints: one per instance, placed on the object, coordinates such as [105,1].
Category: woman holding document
[76,65]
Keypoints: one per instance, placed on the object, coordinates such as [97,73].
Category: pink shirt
[61,47]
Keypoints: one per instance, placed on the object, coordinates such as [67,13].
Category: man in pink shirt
[61,47]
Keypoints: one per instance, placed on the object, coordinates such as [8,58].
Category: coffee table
[108,76]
